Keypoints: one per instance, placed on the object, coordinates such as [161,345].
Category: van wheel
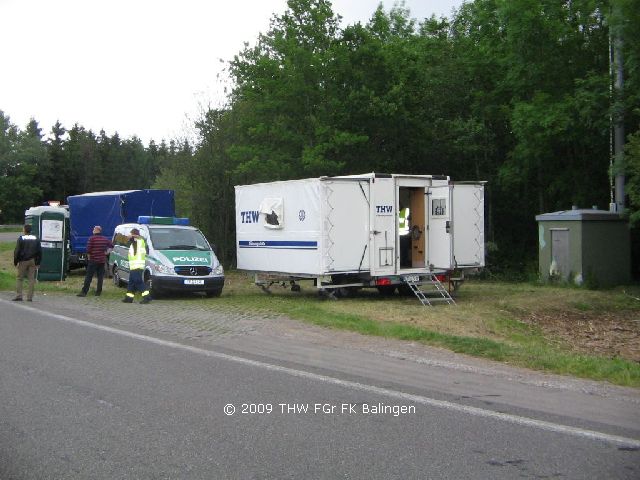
[117,281]
[148,280]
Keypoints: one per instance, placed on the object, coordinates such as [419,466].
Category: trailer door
[385,225]
[440,245]
[346,225]
[468,224]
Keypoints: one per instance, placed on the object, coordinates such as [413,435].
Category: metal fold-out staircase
[438,292]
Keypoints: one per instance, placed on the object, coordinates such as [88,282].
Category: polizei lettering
[251,216]
[190,259]
[384,209]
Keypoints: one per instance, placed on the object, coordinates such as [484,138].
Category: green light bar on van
[147,220]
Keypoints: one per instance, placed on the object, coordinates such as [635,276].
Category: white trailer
[351,231]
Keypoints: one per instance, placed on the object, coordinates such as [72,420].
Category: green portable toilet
[51,226]
[584,245]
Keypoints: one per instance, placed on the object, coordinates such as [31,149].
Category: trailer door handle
[448,226]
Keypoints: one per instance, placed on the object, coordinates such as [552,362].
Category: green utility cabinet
[51,226]
[584,246]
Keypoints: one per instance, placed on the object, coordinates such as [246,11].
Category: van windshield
[178,239]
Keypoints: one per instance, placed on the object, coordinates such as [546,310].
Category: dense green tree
[281,95]
[55,148]
[20,157]
[34,169]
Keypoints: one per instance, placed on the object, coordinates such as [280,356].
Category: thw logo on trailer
[251,216]
[384,209]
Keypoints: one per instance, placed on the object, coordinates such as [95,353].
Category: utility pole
[617,68]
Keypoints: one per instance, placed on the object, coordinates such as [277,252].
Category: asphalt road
[86,400]
[9,236]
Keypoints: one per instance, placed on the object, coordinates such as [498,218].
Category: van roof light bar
[150,220]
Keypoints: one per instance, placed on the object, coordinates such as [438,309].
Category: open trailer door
[440,244]
[468,224]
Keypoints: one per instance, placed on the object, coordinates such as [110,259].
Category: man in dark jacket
[27,257]
[97,248]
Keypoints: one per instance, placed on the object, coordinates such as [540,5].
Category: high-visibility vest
[403,221]
[138,256]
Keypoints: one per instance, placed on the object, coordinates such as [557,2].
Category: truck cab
[180,259]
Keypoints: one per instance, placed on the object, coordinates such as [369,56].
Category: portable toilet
[584,245]
[51,225]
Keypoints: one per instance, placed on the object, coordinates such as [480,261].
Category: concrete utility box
[582,245]
[51,226]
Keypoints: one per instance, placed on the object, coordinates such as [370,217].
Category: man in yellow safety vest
[403,221]
[137,258]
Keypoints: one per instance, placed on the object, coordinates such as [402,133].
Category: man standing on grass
[97,248]
[27,256]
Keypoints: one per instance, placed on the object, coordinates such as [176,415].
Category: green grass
[525,345]
[7,281]
[10,229]
[7,247]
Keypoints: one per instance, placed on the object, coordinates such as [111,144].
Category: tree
[55,149]
[20,155]
[281,97]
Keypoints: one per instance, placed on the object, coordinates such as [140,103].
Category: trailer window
[272,212]
[438,207]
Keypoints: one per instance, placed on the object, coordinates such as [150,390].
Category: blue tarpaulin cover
[110,209]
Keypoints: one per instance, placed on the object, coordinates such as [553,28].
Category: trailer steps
[441,293]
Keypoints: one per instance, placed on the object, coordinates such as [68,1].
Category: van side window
[120,240]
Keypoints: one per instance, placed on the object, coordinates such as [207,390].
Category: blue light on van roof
[149,220]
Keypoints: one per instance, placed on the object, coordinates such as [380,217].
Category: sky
[138,67]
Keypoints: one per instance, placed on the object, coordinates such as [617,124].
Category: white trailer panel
[289,240]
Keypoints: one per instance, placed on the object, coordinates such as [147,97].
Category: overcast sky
[139,67]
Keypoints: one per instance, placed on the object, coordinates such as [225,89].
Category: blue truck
[110,209]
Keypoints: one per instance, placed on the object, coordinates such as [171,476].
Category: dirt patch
[603,334]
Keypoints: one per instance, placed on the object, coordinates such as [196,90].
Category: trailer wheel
[387,290]
[327,295]
[405,291]
[342,292]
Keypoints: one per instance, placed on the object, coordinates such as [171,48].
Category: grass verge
[529,351]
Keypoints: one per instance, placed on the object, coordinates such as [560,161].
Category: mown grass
[487,321]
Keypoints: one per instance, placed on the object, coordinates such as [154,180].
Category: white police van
[179,260]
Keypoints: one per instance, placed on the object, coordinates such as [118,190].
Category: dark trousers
[97,268]
[136,282]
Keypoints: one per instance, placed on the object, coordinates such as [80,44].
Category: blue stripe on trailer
[279,244]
